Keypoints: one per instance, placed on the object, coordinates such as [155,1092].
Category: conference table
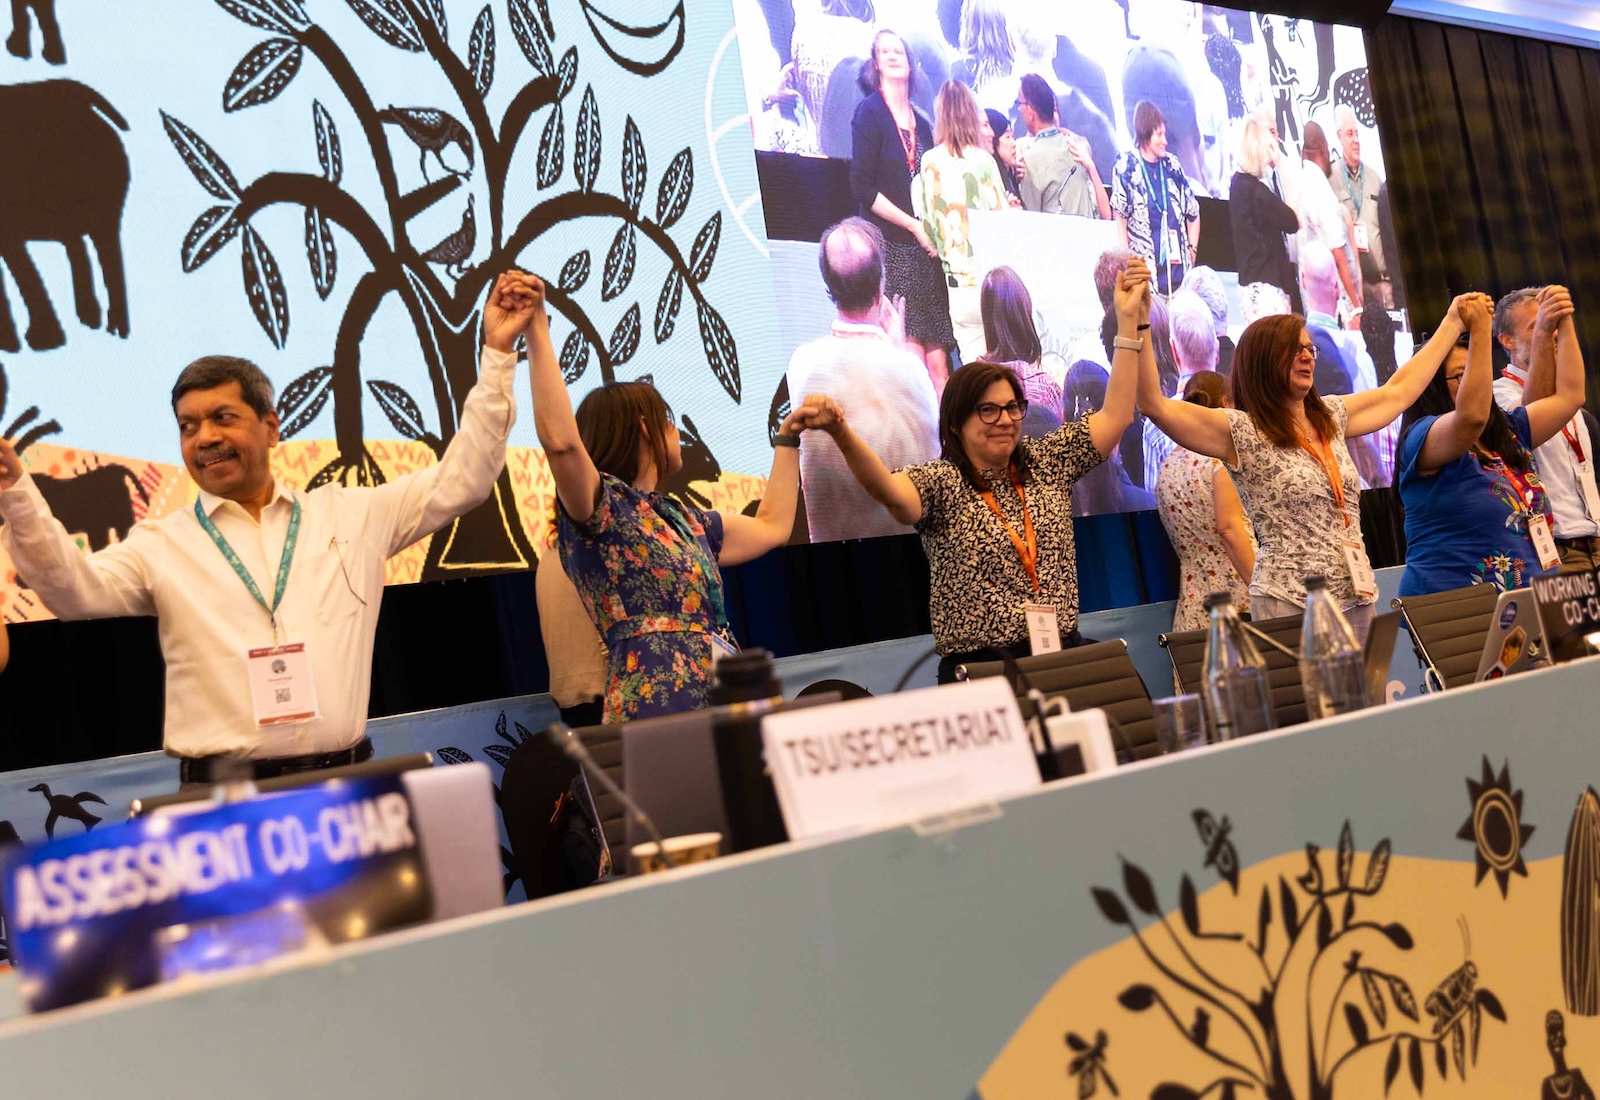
[1388,884]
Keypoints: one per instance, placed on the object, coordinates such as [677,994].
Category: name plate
[1569,613]
[877,762]
[129,905]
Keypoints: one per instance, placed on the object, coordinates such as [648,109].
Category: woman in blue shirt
[1475,510]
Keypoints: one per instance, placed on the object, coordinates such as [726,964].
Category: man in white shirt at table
[267,599]
[883,388]
[1525,324]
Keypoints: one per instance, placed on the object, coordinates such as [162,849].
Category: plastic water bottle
[1236,697]
[1332,669]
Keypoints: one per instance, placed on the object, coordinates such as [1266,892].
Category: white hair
[1205,281]
[1194,334]
[1258,300]
[1343,114]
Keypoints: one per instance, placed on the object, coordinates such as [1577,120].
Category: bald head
[1319,277]
[851,257]
[1315,147]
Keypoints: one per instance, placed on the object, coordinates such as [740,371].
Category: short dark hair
[1503,308]
[1037,93]
[210,371]
[853,288]
[608,426]
[962,395]
[1147,119]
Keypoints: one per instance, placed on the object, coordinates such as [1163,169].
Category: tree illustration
[1354,1023]
[442,284]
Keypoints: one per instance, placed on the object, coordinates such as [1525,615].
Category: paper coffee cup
[693,848]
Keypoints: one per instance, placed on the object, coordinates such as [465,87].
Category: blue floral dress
[645,567]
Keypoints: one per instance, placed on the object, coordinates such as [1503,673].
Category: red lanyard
[909,146]
[1027,552]
[1519,482]
[1330,467]
[1566,429]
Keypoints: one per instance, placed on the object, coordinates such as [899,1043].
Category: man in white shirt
[1525,323]
[883,388]
[1323,220]
[1356,183]
[1343,363]
[267,599]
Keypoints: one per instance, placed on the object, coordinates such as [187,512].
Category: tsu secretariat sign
[85,913]
[879,762]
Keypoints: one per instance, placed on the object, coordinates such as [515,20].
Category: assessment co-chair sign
[885,761]
[1569,613]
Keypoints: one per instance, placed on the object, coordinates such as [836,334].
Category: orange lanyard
[1027,551]
[1522,485]
[1330,467]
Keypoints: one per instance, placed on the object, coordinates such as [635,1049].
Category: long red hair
[1260,381]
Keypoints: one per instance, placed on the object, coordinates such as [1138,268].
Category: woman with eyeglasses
[645,564]
[1476,512]
[1285,446]
[995,509]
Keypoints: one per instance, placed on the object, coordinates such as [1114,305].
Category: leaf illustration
[634,167]
[779,412]
[586,142]
[302,400]
[675,188]
[1397,935]
[1391,1067]
[531,37]
[721,353]
[1458,1051]
[1377,867]
[620,257]
[704,250]
[574,357]
[625,337]
[668,304]
[552,149]
[500,754]
[454,756]
[1349,909]
[1403,1000]
[500,727]
[203,162]
[263,285]
[328,153]
[1357,1023]
[1140,891]
[1137,998]
[523,732]
[1324,926]
[1111,906]
[1491,1005]
[389,20]
[361,470]
[1374,995]
[1441,1062]
[434,10]
[1347,854]
[480,52]
[283,16]
[575,272]
[1189,906]
[1263,921]
[1077,1042]
[1173,1092]
[621,41]
[567,75]
[1414,1061]
[262,74]
[1476,1017]
[1289,908]
[544,17]
[401,410]
[320,252]
[211,230]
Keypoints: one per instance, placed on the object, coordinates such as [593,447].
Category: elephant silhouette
[63,178]
[95,502]
[20,43]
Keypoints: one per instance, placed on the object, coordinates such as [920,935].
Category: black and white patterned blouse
[1286,493]
[978,584]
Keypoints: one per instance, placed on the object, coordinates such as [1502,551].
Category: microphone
[568,742]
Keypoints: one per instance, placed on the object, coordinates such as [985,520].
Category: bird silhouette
[67,805]
[453,251]
[432,131]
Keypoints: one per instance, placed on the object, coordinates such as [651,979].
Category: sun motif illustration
[1496,827]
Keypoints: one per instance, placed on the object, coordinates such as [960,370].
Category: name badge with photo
[1362,578]
[281,687]
[1044,635]
[1544,543]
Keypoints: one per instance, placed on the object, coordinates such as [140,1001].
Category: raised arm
[1132,304]
[1232,524]
[895,491]
[747,537]
[1548,415]
[577,480]
[1204,431]
[1452,435]
[1371,410]
[1555,302]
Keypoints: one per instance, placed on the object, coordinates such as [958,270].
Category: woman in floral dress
[644,564]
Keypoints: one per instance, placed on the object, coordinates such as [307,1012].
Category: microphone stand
[569,743]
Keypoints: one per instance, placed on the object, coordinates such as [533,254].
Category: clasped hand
[515,303]
[1133,291]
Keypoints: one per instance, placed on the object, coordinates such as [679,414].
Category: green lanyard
[680,523]
[1356,185]
[238,566]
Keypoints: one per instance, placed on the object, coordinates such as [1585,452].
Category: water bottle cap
[1219,599]
[1315,582]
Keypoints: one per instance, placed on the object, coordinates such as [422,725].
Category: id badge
[281,688]
[1544,543]
[1361,237]
[1361,575]
[1044,635]
[719,649]
[1591,497]
[1174,257]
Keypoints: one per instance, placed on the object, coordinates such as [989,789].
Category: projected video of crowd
[1236,151]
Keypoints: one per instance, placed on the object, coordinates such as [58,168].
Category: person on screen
[255,565]
[1158,216]
[1010,337]
[1194,336]
[645,565]
[1107,488]
[1154,75]
[1323,221]
[827,34]
[1058,175]
[1356,183]
[995,510]
[1205,282]
[1004,149]
[888,138]
[1525,326]
[1343,365]
[1263,207]
[1204,518]
[957,176]
[1467,476]
[1285,445]
[884,388]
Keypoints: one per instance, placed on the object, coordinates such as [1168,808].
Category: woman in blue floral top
[644,564]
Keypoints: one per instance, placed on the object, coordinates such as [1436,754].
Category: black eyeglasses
[1309,349]
[989,412]
[1454,377]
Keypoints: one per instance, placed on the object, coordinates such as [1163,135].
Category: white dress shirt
[1557,463]
[169,567]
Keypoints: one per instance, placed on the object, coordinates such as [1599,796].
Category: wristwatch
[784,439]
[1131,345]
